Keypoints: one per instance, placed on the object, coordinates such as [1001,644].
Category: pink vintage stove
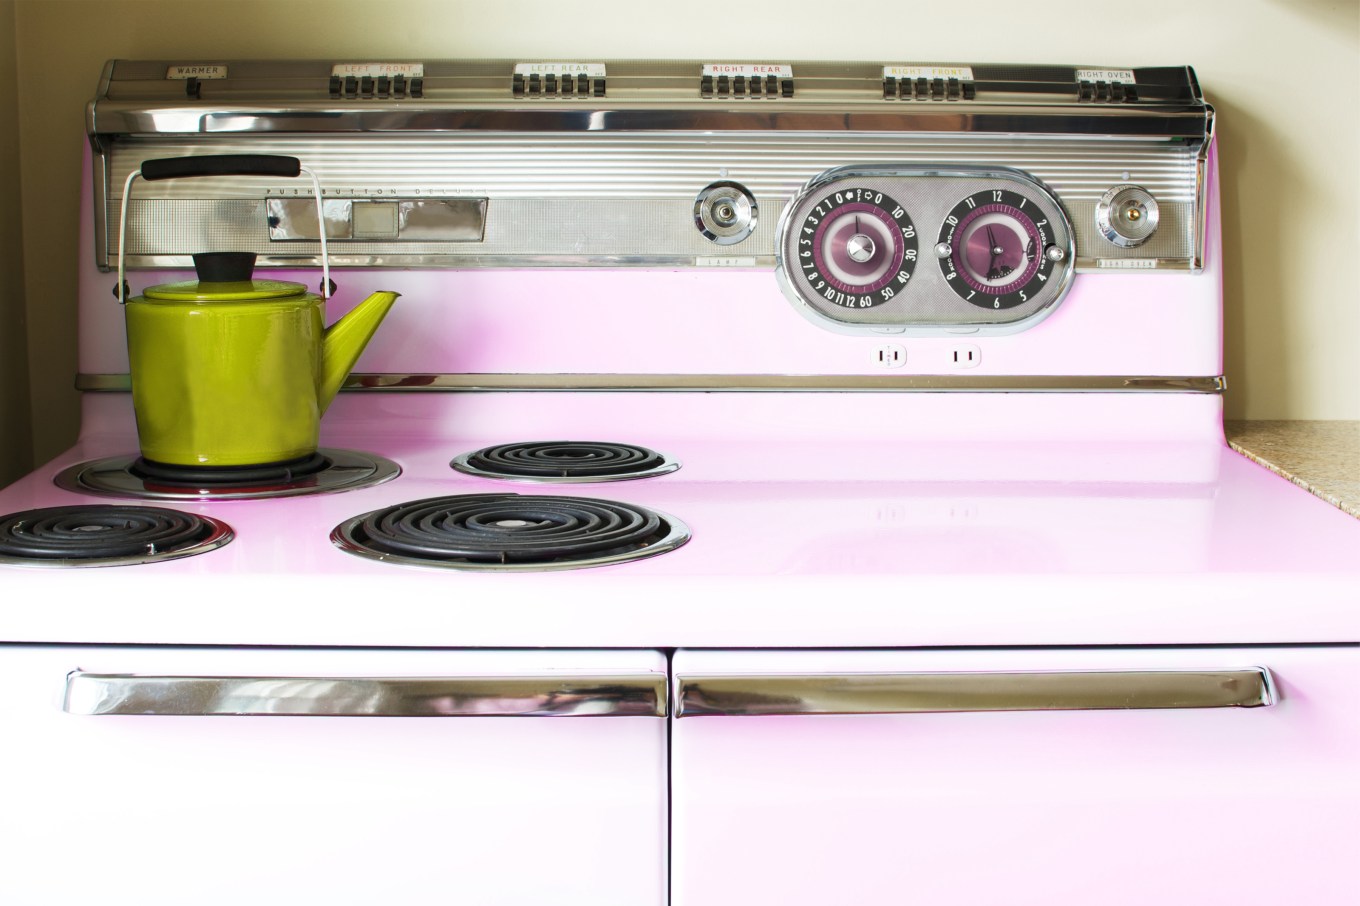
[834,448]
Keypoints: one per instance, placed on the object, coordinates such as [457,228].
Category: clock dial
[994,249]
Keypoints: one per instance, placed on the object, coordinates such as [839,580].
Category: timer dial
[856,248]
[996,249]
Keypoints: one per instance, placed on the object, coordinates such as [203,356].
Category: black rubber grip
[221,165]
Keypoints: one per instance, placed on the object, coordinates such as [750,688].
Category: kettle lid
[224,277]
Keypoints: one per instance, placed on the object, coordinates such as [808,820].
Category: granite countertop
[1321,456]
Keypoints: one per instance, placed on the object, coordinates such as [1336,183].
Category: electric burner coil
[564,461]
[106,535]
[326,472]
[510,532]
[283,473]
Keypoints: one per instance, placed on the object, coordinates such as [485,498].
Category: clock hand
[993,272]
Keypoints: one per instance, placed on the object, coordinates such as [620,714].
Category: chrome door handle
[912,693]
[620,695]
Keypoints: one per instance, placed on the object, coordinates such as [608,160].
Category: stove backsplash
[877,226]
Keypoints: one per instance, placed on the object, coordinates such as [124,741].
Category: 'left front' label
[378,70]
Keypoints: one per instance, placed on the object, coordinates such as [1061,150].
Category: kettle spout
[345,340]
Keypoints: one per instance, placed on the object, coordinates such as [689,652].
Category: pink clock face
[996,241]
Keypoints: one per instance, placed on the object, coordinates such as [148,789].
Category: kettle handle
[222,165]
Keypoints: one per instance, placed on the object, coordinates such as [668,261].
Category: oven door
[1020,777]
[214,776]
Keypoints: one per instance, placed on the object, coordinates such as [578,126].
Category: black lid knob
[224,267]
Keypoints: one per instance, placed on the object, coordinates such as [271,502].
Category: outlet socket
[963,355]
[890,355]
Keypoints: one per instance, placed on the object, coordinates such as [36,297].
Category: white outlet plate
[890,355]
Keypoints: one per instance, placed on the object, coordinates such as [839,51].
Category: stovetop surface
[817,520]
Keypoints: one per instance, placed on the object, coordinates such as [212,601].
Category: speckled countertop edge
[1322,457]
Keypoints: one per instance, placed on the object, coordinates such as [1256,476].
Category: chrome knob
[1127,215]
[725,213]
[860,248]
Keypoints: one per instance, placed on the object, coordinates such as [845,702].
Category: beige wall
[15,438]
[1284,75]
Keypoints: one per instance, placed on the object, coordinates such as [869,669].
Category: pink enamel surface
[335,810]
[901,527]
[1206,806]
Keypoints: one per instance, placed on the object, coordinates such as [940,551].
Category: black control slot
[742,86]
[929,89]
[556,85]
[1107,92]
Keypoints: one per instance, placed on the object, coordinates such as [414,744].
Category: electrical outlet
[890,355]
[964,355]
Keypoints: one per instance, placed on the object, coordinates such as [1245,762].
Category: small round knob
[860,248]
[725,212]
[1127,215]
[943,250]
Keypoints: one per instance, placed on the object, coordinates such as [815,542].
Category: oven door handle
[913,693]
[606,695]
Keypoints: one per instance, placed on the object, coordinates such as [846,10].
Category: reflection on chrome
[636,695]
[912,693]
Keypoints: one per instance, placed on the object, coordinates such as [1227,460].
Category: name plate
[210,71]
[749,70]
[378,70]
[590,70]
[962,73]
[1123,76]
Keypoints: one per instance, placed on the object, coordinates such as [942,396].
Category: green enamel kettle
[228,370]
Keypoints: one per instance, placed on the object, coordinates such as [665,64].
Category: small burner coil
[564,460]
[99,535]
[510,531]
[274,473]
[327,471]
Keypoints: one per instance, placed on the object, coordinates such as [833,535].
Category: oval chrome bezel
[1027,184]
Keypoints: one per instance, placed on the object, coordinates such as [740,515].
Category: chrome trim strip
[741,383]
[915,693]
[832,114]
[625,695]
[1202,190]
